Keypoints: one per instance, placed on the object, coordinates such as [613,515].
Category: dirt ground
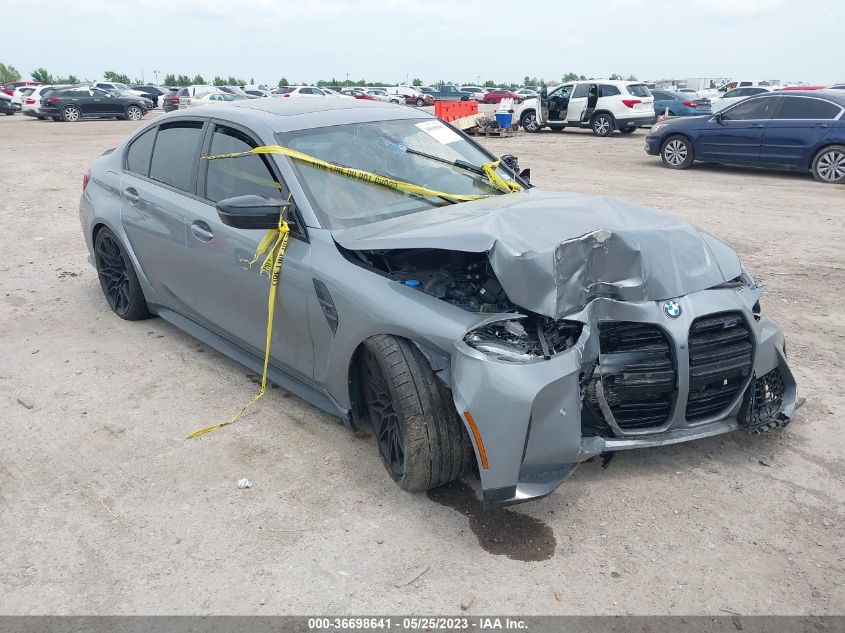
[105,508]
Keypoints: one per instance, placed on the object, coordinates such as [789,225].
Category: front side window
[385,148]
[139,153]
[751,110]
[807,108]
[730,94]
[176,153]
[231,177]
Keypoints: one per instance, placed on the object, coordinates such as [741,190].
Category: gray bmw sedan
[429,291]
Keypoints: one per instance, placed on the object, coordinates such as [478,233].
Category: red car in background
[495,96]
[9,88]
[358,94]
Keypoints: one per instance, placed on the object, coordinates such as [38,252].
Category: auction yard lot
[106,508]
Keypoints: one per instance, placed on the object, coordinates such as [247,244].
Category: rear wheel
[118,279]
[677,152]
[528,121]
[603,124]
[420,438]
[71,113]
[829,165]
[420,102]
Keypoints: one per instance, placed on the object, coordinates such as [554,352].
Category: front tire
[528,121]
[420,103]
[134,113]
[829,165]
[421,441]
[603,125]
[677,152]
[118,279]
[71,114]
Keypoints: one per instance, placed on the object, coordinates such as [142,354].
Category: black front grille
[720,361]
[637,373]
[766,399]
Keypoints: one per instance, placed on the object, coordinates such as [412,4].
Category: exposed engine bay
[467,280]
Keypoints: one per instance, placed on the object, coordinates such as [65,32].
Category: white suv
[476,91]
[599,104]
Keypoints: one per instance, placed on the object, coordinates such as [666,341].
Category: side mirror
[250,212]
[717,117]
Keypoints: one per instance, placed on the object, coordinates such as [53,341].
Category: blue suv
[799,131]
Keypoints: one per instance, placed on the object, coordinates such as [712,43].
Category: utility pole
[478,81]
[347,80]
[156,72]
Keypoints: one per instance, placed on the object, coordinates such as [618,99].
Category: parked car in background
[148,103]
[9,88]
[526,93]
[447,92]
[153,93]
[31,105]
[413,96]
[7,107]
[258,92]
[209,98]
[800,131]
[837,87]
[236,90]
[299,91]
[170,101]
[477,92]
[602,105]
[331,92]
[497,94]
[357,93]
[114,85]
[381,95]
[678,104]
[75,104]
[736,95]
[19,94]
[747,83]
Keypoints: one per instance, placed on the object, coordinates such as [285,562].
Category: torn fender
[553,252]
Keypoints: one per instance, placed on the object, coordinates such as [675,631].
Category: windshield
[380,147]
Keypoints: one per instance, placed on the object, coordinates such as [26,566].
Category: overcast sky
[458,40]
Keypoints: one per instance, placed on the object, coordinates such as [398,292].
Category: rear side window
[639,90]
[608,91]
[580,91]
[139,153]
[175,154]
[285,90]
[237,176]
[804,108]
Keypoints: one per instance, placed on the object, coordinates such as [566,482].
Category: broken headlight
[523,339]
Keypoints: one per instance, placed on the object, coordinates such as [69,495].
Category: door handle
[131,194]
[201,231]
[756,125]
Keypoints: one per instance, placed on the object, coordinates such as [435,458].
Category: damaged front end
[590,345]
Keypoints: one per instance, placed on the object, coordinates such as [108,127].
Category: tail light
[52,99]
[631,102]
[30,101]
[287,94]
[86,177]
[690,104]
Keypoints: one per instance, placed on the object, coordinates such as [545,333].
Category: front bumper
[652,144]
[537,421]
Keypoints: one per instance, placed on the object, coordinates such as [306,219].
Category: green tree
[489,84]
[615,77]
[8,73]
[120,78]
[70,79]
[632,78]
[283,82]
[218,81]
[41,74]
[170,79]
[234,81]
[416,82]
[251,81]
[183,80]
[198,79]
[571,77]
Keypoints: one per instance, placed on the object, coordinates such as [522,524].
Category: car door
[559,104]
[797,126]
[158,191]
[577,103]
[736,134]
[227,295]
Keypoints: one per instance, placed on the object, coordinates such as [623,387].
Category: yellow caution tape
[272,265]
[278,236]
[366,176]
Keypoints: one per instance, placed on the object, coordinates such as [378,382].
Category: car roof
[284,115]
[831,95]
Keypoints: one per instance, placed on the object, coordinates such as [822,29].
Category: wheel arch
[823,145]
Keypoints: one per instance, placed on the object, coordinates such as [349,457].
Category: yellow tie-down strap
[278,236]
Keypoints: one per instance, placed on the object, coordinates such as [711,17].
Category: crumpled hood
[553,252]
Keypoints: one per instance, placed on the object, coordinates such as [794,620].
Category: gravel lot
[106,508]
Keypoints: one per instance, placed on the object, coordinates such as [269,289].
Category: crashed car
[505,328]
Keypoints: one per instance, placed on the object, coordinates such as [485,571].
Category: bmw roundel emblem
[672,309]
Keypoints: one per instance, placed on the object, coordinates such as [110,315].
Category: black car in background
[6,105]
[153,92]
[82,102]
